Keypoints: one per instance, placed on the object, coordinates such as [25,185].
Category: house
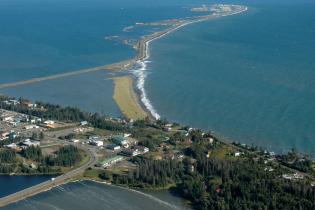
[238,154]
[12,135]
[113,147]
[29,104]
[13,102]
[33,166]
[211,140]
[4,134]
[83,123]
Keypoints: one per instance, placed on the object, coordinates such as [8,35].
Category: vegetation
[32,153]
[66,114]
[66,156]
[219,183]
[198,166]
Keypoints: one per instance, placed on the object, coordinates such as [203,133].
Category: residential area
[115,149]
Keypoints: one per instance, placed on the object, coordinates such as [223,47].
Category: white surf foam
[141,74]
[141,71]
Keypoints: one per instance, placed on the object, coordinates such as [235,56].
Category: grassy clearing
[222,152]
[126,98]
[93,174]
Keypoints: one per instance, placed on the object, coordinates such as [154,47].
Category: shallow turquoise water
[91,92]
[249,77]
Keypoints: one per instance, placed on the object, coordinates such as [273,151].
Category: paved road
[51,183]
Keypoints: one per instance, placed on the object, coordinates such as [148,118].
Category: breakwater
[142,48]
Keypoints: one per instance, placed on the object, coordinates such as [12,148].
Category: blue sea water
[40,38]
[12,184]
[249,77]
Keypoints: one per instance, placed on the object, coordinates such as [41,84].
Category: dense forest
[219,183]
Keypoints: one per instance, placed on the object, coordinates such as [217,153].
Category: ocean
[42,38]
[248,78]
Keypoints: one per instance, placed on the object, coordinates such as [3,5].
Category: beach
[127,99]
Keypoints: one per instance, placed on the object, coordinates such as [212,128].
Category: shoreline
[137,65]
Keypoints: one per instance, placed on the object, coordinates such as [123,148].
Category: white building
[27,143]
[49,122]
[83,123]
[74,140]
[11,146]
[97,143]
[113,147]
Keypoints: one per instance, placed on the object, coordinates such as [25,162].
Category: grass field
[126,98]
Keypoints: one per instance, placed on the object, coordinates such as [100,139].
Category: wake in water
[141,74]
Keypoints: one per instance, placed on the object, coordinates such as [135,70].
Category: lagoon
[91,195]
[12,184]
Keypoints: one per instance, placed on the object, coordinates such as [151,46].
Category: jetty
[141,46]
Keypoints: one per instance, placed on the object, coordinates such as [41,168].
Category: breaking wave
[141,73]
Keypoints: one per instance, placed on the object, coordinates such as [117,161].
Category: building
[13,102]
[130,152]
[120,140]
[4,135]
[74,140]
[110,161]
[13,135]
[141,149]
[11,146]
[28,127]
[49,122]
[7,118]
[127,135]
[28,143]
[96,143]
[113,147]
[83,123]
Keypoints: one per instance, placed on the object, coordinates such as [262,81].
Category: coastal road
[50,183]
